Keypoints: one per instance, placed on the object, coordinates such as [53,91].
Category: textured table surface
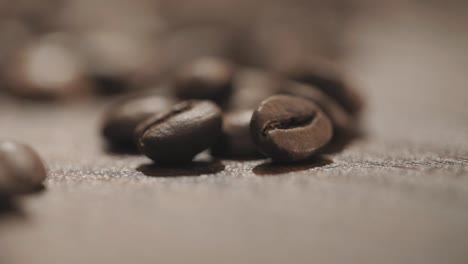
[399,195]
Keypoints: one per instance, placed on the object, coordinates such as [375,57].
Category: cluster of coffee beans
[21,169]
[236,112]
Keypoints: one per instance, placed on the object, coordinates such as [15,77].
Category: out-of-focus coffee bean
[236,140]
[329,79]
[207,79]
[21,169]
[115,59]
[341,119]
[47,69]
[122,118]
[107,84]
[288,128]
[178,135]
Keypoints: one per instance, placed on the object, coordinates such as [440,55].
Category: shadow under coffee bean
[178,135]
[289,129]
[9,206]
[192,169]
[274,168]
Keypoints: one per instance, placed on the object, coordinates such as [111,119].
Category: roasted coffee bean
[21,169]
[288,128]
[178,135]
[330,81]
[124,116]
[206,78]
[236,141]
[342,120]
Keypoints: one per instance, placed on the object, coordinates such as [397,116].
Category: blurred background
[82,45]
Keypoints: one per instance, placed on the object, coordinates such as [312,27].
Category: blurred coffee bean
[107,84]
[47,69]
[327,78]
[341,119]
[115,59]
[251,87]
[123,117]
[21,169]
[288,128]
[236,140]
[178,135]
[207,79]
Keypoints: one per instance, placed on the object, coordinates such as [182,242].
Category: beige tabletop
[399,195]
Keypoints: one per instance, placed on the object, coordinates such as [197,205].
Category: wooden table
[399,195]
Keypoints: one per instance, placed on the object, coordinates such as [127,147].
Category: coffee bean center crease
[290,123]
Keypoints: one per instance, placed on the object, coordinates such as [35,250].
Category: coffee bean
[178,135]
[206,78]
[329,80]
[287,128]
[236,141]
[47,69]
[342,120]
[21,169]
[124,116]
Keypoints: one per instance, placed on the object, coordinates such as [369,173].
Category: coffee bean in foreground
[123,117]
[236,141]
[288,128]
[21,169]
[205,79]
[178,135]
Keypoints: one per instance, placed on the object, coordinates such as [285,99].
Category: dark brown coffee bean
[342,120]
[288,128]
[207,79]
[330,81]
[178,135]
[124,116]
[21,169]
[236,141]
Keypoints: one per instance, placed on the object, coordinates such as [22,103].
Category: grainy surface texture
[400,195]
